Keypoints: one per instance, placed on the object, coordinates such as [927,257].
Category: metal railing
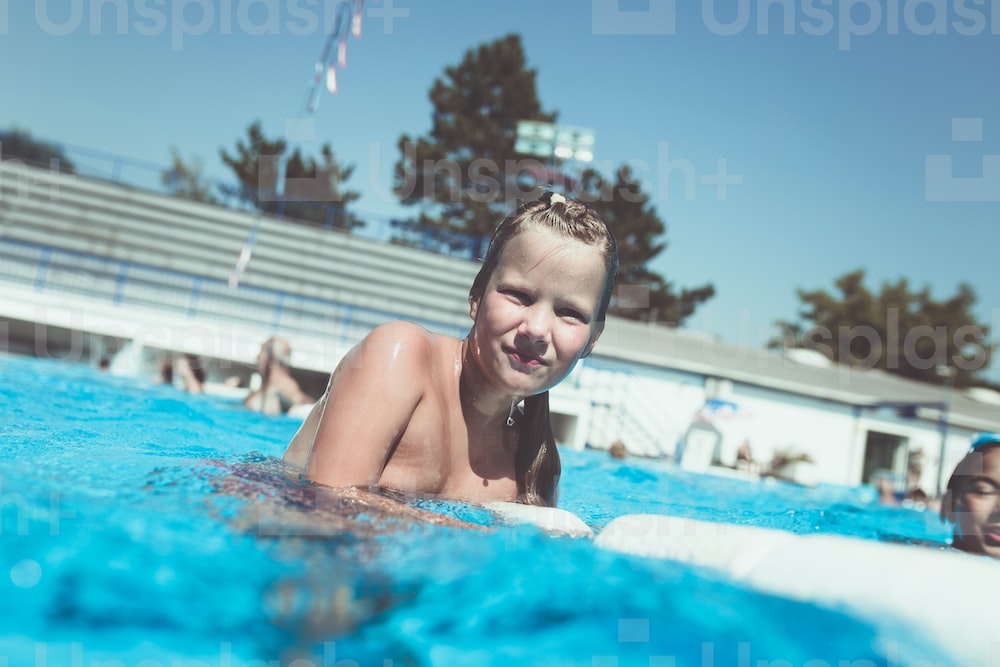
[153,177]
[123,283]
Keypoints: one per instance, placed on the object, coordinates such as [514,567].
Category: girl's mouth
[524,358]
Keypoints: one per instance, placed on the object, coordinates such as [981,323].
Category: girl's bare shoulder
[401,342]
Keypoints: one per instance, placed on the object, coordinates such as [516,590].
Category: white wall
[648,409]
[651,410]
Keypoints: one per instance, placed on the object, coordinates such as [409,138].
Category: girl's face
[537,315]
[979,512]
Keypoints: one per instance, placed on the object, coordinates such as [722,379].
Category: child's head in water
[567,217]
[540,298]
[972,501]
[538,305]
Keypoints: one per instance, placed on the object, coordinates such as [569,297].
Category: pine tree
[312,188]
[466,175]
[459,173]
[17,144]
[642,294]
[185,180]
[896,329]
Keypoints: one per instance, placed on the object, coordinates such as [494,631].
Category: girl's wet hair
[537,461]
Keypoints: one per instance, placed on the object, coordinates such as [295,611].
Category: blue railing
[145,175]
[122,283]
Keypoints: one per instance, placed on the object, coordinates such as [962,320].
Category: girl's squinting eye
[573,314]
[984,489]
[516,294]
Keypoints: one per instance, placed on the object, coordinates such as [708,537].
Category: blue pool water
[142,526]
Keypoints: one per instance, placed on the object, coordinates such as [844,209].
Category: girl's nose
[536,325]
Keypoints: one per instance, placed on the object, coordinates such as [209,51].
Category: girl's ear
[473,308]
[598,330]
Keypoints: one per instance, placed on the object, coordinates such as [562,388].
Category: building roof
[796,372]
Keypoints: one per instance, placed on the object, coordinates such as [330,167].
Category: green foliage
[896,330]
[465,176]
[641,294]
[185,180]
[459,173]
[313,188]
[17,144]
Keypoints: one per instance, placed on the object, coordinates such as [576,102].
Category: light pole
[554,143]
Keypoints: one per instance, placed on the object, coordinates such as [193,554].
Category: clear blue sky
[825,112]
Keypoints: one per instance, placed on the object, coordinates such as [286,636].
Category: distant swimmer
[972,501]
[279,392]
[183,371]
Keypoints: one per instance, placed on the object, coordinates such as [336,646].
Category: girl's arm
[367,406]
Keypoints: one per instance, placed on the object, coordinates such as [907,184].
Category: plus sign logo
[388,13]
[609,17]
[940,183]
[669,167]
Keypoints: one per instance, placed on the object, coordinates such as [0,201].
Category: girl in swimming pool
[423,413]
